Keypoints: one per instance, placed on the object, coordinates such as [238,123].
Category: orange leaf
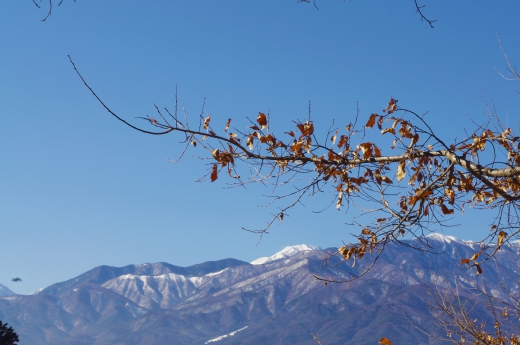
[262,120]
[385,341]
[464,261]
[371,121]
[479,269]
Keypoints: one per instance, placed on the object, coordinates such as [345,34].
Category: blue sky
[78,189]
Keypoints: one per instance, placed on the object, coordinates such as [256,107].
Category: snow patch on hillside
[225,336]
[285,253]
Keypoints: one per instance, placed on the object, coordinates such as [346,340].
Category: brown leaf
[479,269]
[401,172]
[371,121]
[340,199]
[380,122]
[366,148]
[227,125]
[214,173]
[385,341]
[446,210]
[391,107]
[216,154]
[474,257]
[307,128]
[250,140]
[206,122]
[464,261]
[262,120]
[388,130]
[414,141]
[501,236]
[377,152]
[386,179]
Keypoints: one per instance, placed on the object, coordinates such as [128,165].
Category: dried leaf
[206,122]
[216,154]
[401,171]
[388,130]
[377,152]
[250,140]
[446,210]
[227,125]
[474,257]
[214,173]
[340,199]
[385,341]
[262,120]
[391,107]
[464,262]
[371,121]
[501,236]
[479,269]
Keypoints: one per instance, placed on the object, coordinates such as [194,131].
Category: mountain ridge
[277,301]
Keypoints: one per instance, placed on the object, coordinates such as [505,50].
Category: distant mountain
[285,253]
[4,291]
[274,300]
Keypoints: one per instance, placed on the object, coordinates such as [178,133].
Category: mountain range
[273,300]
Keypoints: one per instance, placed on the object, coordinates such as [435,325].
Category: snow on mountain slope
[4,291]
[161,291]
[285,253]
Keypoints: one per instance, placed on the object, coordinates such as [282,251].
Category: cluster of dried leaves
[424,180]
[411,178]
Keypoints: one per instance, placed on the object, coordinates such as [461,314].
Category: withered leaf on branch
[440,174]
[214,173]
[401,171]
[262,120]
[385,341]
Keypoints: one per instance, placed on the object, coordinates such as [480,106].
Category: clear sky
[78,189]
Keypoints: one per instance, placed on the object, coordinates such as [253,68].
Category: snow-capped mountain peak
[443,238]
[285,253]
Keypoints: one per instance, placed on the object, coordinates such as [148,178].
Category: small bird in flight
[17,279]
